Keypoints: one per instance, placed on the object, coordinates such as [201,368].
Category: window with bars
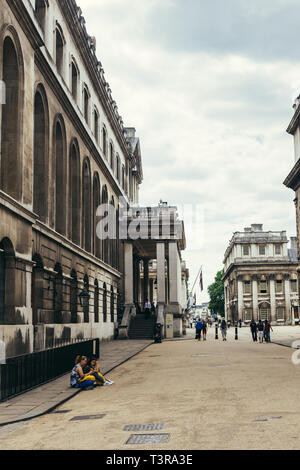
[280,313]
[294,285]
[264,313]
[248,314]
[278,287]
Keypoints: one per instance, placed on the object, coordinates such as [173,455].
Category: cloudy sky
[209,86]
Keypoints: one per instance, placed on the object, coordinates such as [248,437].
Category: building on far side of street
[260,277]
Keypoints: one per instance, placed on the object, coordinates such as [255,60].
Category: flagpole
[196,279]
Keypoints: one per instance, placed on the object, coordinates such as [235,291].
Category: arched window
[112,156]
[11,167]
[86,309]
[59,47]
[96,302]
[112,305]
[58,293]
[74,192]
[112,243]
[104,303]
[7,280]
[40,11]
[40,170]
[37,288]
[73,296]
[104,141]
[105,241]
[86,205]
[123,177]
[74,81]
[96,125]
[86,104]
[118,168]
[60,177]
[96,194]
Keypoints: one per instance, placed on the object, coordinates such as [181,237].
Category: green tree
[216,294]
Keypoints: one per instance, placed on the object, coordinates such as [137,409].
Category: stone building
[260,277]
[64,150]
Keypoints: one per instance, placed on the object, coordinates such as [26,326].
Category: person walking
[267,329]
[260,329]
[204,330]
[240,322]
[223,326]
[147,309]
[199,325]
[253,328]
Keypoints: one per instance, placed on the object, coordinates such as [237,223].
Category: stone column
[255,297]
[272,298]
[287,295]
[240,297]
[161,285]
[129,275]
[175,277]
[146,279]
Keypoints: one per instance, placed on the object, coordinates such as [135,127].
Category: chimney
[130,131]
[257,227]
[294,243]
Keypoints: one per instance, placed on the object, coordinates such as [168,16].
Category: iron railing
[22,373]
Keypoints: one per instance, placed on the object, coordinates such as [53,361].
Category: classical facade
[260,277]
[154,268]
[64,150]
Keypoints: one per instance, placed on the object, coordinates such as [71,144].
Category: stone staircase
[141,327]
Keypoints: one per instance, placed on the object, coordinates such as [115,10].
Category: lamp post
[84,298]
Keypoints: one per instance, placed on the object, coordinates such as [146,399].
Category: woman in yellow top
[95,371]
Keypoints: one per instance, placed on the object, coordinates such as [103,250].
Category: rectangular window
[263,287]
[277,250]
[293,285]
[278,287]
[246,250]
[280,311]
[248,314]
[262,250]
[247,287]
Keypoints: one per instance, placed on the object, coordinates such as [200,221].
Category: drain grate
[275,417]
[61,411]
[257,420]
[148,438]
[199,355]
[80,418]
[143,427]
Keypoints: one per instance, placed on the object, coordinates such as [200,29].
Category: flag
[201,281]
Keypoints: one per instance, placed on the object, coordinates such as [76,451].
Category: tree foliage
[216,294]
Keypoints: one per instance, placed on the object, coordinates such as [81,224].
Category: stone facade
[260,277]
[64,150]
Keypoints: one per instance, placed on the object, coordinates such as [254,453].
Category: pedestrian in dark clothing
[267,329]
[199,326]
[260,329]
[240,322]
[253,328]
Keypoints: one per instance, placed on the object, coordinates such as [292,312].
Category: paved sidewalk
[47,397]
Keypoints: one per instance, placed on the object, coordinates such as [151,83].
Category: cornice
[293,179]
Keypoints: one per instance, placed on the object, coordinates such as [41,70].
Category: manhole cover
[61,411]
[278,358]
[143,427]
[148,438]
[80,418]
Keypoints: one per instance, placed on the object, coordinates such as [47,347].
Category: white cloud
[212,126]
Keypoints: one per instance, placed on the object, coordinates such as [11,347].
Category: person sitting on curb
[94,370]
[78,378]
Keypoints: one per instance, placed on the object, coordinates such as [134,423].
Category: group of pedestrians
[261,330]
[201,329]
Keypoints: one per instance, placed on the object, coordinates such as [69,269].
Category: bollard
[236,331]
[217,337]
